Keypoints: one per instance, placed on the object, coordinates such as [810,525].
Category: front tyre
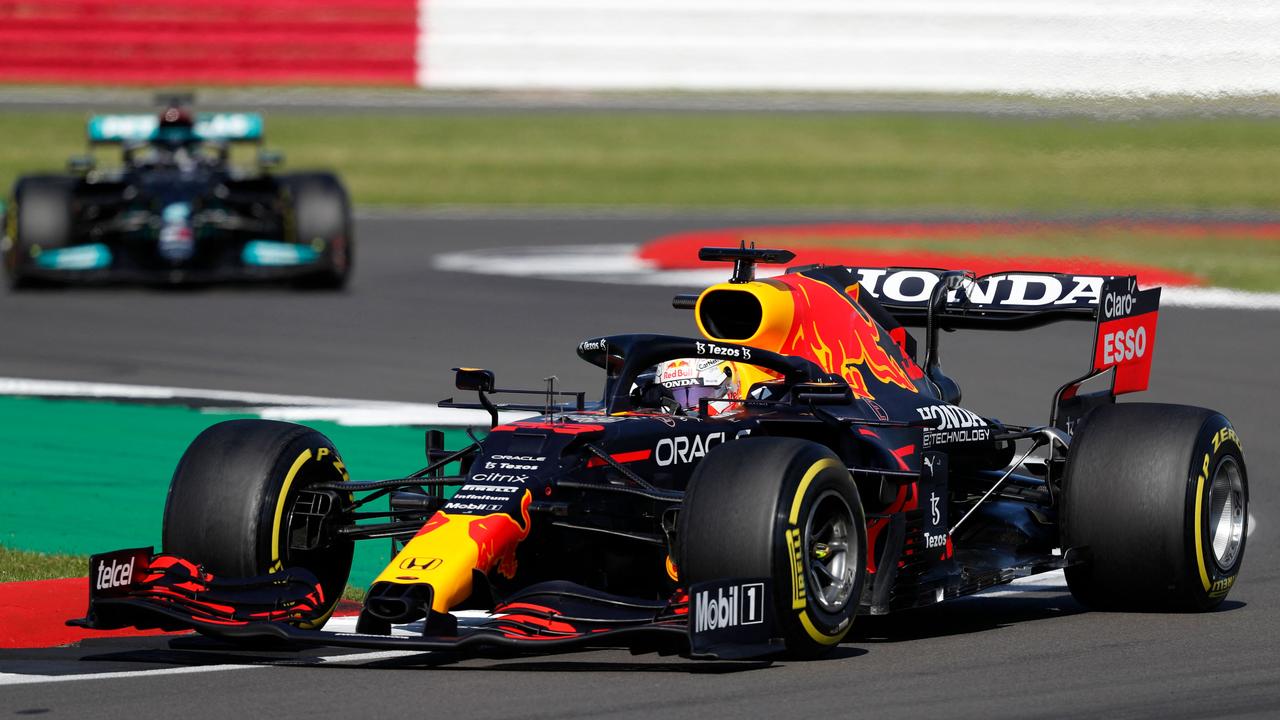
[1156,507]
[38,219]
[237,504]
[786,509]
[320,213]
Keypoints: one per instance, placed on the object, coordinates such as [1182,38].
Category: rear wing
[218,127]
[1123,315]
[1001,301]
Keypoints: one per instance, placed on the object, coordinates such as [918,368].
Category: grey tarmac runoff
[1023,652]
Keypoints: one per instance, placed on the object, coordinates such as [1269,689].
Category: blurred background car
[177,210]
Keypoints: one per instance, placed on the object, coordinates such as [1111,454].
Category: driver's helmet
[689,380]
[176,128]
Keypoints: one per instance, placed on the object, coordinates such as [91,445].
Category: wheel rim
[1226,512]
[830,551]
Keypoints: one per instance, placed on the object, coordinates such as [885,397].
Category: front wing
[223,272]
[136,588]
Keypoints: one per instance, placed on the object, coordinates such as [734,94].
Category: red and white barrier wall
[1036,46]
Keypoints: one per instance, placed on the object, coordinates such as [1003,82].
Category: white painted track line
[20,679]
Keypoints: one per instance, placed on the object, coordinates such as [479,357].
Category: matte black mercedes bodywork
[177,211]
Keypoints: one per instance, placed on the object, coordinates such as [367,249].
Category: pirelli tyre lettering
[1221,514]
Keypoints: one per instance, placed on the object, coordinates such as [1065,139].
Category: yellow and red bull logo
[457,545]
[496,537]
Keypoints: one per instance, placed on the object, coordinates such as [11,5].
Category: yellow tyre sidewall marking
[794,519]
[280,503]
[275,534]
[809,475]
[820,636]
[1204,575]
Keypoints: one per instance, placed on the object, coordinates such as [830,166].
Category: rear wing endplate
[1124,341]
[1126,333]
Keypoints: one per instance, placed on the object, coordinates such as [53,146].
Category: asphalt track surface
[399,329]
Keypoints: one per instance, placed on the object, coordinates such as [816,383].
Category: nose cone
[443,556]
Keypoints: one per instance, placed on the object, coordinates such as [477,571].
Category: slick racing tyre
[236,504]
[1155,507]
[786,509]
[38,220]
[321,213]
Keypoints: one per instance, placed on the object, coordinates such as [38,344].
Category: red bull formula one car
[744,492]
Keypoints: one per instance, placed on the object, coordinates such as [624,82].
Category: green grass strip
[852,161]
[24,565]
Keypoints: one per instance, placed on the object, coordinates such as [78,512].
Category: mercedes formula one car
[744,492]
[178,210]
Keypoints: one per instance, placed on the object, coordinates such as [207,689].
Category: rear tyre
[1156,506]
[786,509]
[38,220]
[321,213]
[232,500]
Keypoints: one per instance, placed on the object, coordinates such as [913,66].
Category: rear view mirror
[270,159]
[474,379]
[81,164]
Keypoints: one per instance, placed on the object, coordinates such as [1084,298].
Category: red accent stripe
[519,634]
[550,625]
[529,607]
[625,457]
[210,607]
[875,525]
[902,452]
[563,428]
